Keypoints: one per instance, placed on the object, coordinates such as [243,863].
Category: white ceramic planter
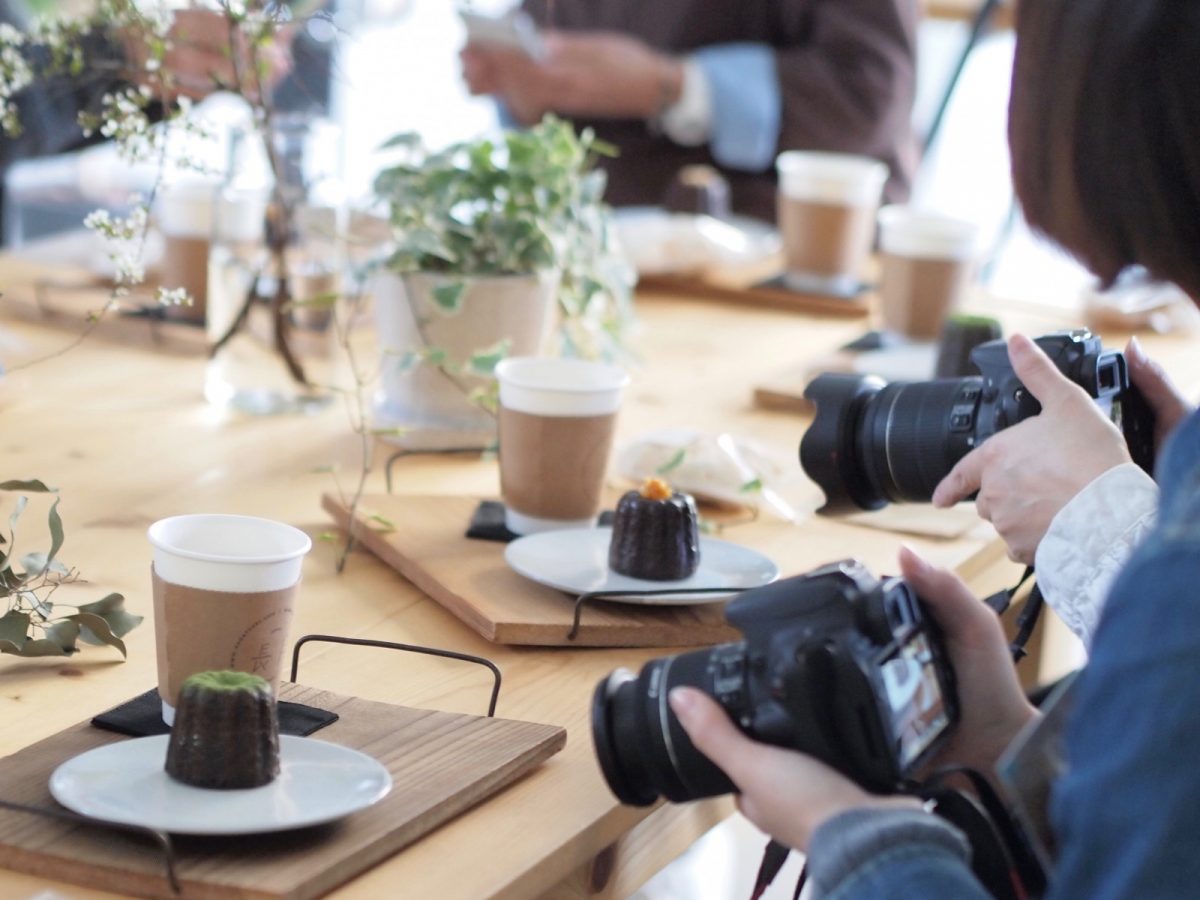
[435,411]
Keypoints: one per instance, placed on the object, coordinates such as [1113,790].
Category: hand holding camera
[1025,474]
[838,665]
[872,443]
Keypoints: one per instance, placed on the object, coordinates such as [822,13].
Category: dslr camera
[837,664]
[872,442]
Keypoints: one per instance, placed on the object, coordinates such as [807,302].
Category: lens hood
[828,450]
[604,739]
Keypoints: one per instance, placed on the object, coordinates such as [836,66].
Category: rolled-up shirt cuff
[747,104]
[860,845]
[688,122]
[1089,541]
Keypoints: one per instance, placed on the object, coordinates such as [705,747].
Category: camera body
[836,663]
[872,442]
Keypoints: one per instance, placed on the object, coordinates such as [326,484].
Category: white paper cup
[927,261]
[557,420]
[826,215]
[224,588]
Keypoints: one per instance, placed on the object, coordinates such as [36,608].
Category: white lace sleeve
[1089,541]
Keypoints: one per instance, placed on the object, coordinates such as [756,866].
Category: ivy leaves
[527,202]
[32,624]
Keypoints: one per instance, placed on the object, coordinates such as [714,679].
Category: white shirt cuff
[1089,541]
[689,121]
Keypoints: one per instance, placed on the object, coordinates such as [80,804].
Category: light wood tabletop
[124,433]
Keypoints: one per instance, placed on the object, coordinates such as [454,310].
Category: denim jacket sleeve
[899,853]
[1127,812]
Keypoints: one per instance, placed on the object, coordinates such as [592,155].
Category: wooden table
[124,433]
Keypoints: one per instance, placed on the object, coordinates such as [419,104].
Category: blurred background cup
[224,592]
[926,261]
[184,216]
[557,419]
[826,208]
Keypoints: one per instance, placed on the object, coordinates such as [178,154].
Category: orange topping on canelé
[656,489]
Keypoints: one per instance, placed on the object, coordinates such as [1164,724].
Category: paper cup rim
[154,534]
[910,231]
[614,378]
[848,166]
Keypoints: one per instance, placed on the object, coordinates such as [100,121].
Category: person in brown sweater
[679,82]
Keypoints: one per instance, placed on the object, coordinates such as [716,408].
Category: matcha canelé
[226,732]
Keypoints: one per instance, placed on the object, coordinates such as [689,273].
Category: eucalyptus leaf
[33,485]
[95,630]
[43,647]
[34,563]
[15,515]
[105,604]
[56,531]
[64,634]
[112,610]
[14,627]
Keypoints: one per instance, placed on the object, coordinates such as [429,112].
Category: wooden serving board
[441,764]
[752,284]
[471,579]
[755,289]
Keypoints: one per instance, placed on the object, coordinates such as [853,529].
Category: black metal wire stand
[408,648]
[159,837]
[583,599]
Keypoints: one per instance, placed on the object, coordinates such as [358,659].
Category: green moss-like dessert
[226,732]
[655,534]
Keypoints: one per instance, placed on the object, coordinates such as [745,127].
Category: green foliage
[32,624]
[525,202]
[673,463]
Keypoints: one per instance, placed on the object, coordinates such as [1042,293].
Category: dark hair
[1104,124]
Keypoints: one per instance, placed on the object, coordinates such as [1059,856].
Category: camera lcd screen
[914,694]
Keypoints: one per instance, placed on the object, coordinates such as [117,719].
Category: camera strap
[1001,856]
[775,855]
[1028,617]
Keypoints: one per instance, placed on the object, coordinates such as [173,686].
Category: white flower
[173,297]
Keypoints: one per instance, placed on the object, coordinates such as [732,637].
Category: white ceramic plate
[125,782]
[575,560]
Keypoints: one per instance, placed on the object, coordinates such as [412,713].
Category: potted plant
[502,246]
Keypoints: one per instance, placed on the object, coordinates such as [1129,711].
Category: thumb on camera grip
[1039,374]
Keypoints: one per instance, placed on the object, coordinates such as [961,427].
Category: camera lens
[643,751]
[911,437]
[873,443]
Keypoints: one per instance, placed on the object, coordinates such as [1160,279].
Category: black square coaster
[487,523]
[142,716]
